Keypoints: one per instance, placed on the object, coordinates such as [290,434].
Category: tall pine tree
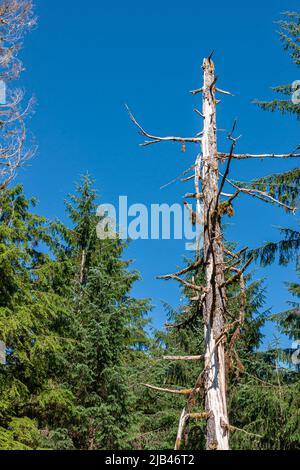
[106,330]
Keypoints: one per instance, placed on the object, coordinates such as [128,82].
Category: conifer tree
[73,334]
[107,329]
[285,185]
[167,364]
[32,317]
[289,34]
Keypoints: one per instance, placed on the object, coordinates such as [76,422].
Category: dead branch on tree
[192,267]
[153,139]
[263,155]
[262,195]
[234,141]
[232,429]
[178,177]
[182,358]
[199,113]
[190,285]
[182,423]
[184,391]
[239,272]
[223,92]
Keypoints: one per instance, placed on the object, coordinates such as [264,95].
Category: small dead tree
[212,296]
[16,17]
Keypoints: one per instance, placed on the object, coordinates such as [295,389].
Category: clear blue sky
[86,59]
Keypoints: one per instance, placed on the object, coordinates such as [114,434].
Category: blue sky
[86,59]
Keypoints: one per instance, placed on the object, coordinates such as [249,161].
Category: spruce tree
[106,330]
[32,317]
[289,34]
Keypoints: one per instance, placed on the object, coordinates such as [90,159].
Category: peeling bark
[213,307]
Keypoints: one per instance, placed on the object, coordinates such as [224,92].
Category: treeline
[78,356]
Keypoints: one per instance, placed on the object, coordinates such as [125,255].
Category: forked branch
[238,272]
[154,139]
[192,267]
[262,195]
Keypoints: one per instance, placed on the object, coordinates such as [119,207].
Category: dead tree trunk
[211,297]
[214,302]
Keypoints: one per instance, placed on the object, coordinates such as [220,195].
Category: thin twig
[192,267]
[224,92]
[263,196]
[263,155]
[182,358]
[184,391]
[178,177]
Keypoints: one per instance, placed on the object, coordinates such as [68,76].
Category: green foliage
[107,328]
[20,434]
[284,250]
[73,332]
[289,35]
[269,413]
[30,311]
[289,320]
[281,186]
[160,412]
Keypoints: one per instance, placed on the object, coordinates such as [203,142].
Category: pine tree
[285,185]
[107,331]
[73,334]
[289,34]
[31,318]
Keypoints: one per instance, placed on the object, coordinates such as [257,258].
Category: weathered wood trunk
[213,308]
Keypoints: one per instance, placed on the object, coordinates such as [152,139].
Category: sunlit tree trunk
[214,303]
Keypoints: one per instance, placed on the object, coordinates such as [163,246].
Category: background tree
[73,333]
[32,321]
[169,368]
[289,34]
[271,400]
[16,18]
[285,185]
[106,331]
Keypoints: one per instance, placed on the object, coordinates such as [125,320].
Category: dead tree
[212,296]
[15,18]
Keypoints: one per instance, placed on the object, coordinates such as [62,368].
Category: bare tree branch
[184,391]
[185,283]
[263,155]
[224,92]
[199,113]
[155,139]
[179,177]
[182,358]
[262,195]
[239,272]
[192,267]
